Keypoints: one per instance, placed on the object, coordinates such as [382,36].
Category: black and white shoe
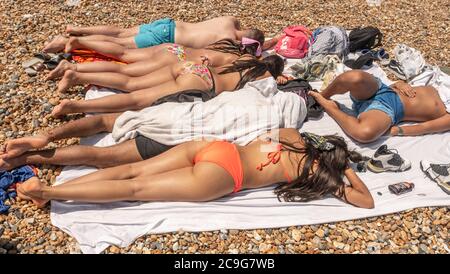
[439,173]
[386,159]
[394,67]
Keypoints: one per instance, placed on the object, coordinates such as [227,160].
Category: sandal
[43,56]
[31,62]
[54,61]
[363,60]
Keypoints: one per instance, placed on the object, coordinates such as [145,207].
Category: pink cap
[249,41]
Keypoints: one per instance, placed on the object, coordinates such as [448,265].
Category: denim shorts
[156,33]
[385,100]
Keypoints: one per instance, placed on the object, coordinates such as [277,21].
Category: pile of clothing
[8,181]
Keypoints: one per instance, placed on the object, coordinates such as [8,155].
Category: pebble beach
[26,103]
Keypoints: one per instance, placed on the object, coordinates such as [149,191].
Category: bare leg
[204,181]
[99,157]
[127,42]
[86,126]
[132,101]
[136,69]
[112,49]
[360,84]
[102,30]
[368,127]
[158,164]
[115,80]
[62,67]
[178,157]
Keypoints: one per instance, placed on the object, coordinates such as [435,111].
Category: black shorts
[149,148]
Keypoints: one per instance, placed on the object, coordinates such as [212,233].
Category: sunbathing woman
[311,166]
[146,60]
[382,108]
[183,76]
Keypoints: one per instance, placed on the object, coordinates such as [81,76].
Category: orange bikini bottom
[226,156]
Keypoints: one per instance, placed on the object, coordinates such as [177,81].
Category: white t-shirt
[239,117]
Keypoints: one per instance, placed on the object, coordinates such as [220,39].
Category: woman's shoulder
[289,133]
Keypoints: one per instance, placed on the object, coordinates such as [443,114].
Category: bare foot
[63,108]
[71,30]
[59,71]
[6,164]
[56,45]
[32,189]
[68,80]
[71,44]
[17,147]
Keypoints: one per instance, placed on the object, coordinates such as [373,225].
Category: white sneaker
[410,60]
[439,173]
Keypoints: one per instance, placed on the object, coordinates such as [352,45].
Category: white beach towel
[96,226]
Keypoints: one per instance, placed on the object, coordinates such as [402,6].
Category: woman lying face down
[140,62]
[305,167]
[182,76]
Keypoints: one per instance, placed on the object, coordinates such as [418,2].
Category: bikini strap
[273,158]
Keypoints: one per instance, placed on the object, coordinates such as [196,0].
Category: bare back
[256,153]
[200,35]
[215,58]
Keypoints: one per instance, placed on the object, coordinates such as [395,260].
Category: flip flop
[43,56]
[54,61]
[363,60]
[38,67]
[31,62]
[40,57]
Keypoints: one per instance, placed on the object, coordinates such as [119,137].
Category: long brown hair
[326,179]
[255,68]
[233,47]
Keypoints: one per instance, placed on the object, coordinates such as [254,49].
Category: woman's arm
[440,124]
[283,79]
[357,194]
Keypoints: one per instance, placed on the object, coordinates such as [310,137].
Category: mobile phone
[401,188]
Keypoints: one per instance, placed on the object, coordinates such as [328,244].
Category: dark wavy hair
[327,178]
[255,68]
[233,47]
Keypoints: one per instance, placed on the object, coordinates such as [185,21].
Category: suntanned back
[200,35]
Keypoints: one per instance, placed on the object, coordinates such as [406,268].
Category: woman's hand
[357,193]
[283,79]
[404,89]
